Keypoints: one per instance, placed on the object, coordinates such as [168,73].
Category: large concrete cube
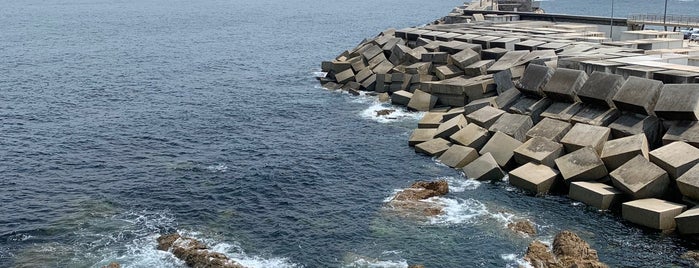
[678,102]
[686,131]
[595,194]
[507,98]
[688,183]
[600,88]
[401,97]
[421,135]
[564,85]
[478,68]
[639,178]
[472,136]
[422,101]
[629,124]
[582,135]
[454,112]
[514,125]
[507,61]
[433,147]
[430,120]
[563,111]
[534,178]
[617,152]
[550,129]
[651,212]
[451,126]
[676,158]
[596,115]
[538,150]
[447,71]
[638,95]
[464,58]
[502,147]
[534,79]
[581,165]
[485,117]
[478,104]
[484,168]
[531,106]
[458,156]
[688,222]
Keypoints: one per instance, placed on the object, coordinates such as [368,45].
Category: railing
[683,20]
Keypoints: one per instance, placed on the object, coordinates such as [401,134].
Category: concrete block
[686,131]
[688,222]
[639,178]
[534,178]
[458,156]
[371,52]
[507,98]
[435,57]
[600,88]
[338,66]
[502,147]
[688,183]
[399,54]
[447,71]
[421,135]
[592,114]
[595,194]
[503,81]
[383,68]
[485,117]
[363,75]
[484,168]
[637,71]
[478,68]
[464,58]
[676,158]
[531,106]
[430,120]
[582,135]
[629,124]
[618,152]
[581,165]
[534,79]
[538,150]
[529,45]
[507,43]
[472,136]
[484,40]
[401,97]
[493,53]
[422,101]
[565,84]
[448,128]
[651,212]
[550,129]
[358,64]
[345,76]
[478,104]
[563,111]
[678,102]
[675,76]
[419,68]
[507,61]
[433,147]
[514,125]
[638,95]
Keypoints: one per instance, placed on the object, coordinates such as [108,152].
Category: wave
[398,113]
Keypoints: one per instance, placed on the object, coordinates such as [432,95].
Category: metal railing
[670,20]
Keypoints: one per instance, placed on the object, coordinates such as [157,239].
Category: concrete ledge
[651,212]
[595,194]
[534,178]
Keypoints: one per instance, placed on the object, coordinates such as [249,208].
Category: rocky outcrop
[194,253]
[523,226]
[691,256]
[423,190]
[385,112]
[569,250]
[112,265]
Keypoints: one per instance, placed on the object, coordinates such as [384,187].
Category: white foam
[457,211]
[217,168]
[253,261]
[460,184]
[399,113]
[515,261]
[370,263]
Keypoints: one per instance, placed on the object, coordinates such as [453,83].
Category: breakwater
[559,108]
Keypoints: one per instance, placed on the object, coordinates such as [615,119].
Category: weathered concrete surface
[485,117]
[422,101]
[688,183]
[686,131]
[595,194]
[629,124]
[639,178]
[447,71]
[531,107]
[458,156]
[430,120]
[688,222]
[565,84]
[581,165]
[503,81]
[600,88]
[472,136]
[495,53]
[651,212]
[464,58]
[421,135]
[538,150]
[534,79]
[596,115]
[194,253]
[582,135]
[534,178]
[676,158]
[478,104]
[507,61]
[453,112]
[638,95]
[550,129]
[478,68]
[484,168]
[678,102]
[433,147]
[448,128]
[619,151]
[401,97]
[514,125]
[563,111]
[502,147]
[506,99]
[419,68]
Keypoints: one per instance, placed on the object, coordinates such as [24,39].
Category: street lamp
[611,22]
[665,16]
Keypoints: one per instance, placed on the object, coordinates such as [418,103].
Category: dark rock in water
[423,190]
[691,256]
[416,266]
[384,112]
[523,226]
[569,250]
[538,255]
[112,265]
[194,253]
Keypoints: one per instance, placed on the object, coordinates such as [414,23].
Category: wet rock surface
[523,226]
[194,253]
[569,250]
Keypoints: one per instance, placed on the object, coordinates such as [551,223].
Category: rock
[112,265]
[595,194]
[193,252]
[523,226]
[691,256]
[651,212]
[385,112]
[422,190]
[539,256]
[572,251]
[416,266]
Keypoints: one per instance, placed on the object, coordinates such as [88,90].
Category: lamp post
[665,16]
[611,22]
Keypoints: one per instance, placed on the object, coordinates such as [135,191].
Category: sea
[121,120]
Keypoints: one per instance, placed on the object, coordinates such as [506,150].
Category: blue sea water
[122,120]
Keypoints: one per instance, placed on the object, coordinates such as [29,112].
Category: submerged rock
[523,226]
[384,112]
[423,190]
[691,256]
[112,265]
[194,253]
[569,250]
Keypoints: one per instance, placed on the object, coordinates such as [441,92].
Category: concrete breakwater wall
[614,127]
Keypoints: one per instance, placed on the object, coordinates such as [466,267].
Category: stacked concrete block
[678,102]
[448,128]
[538,150]
[493,53]
[472,136]
[514,125]
[529,45]
[458,156]
[563,111]
[534,79]
[383,67]
[550,129]
[686,131]
[581,165]
[651,212]
[506,99]
[502,147]
[600,88]
[422,101]
[345,76]
[583,135]
[453,112]
[435,57]
[538,179]
[478,104]
[484,168]
[433,147]
[688,183]
[637,71]
[676,158]
[507,43]
[596,115]
[421,135]
[618,152]
[638,95]
[478,68]
[629,124]
[447,71]
[464,58]
[688,222]
[419,68]
[565,84]
[599,195]
[400,81]
[401,97]
[484,40]
[507,61]
[485,117]
[675,76]
[639,178]
[503,81]
[430,120]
